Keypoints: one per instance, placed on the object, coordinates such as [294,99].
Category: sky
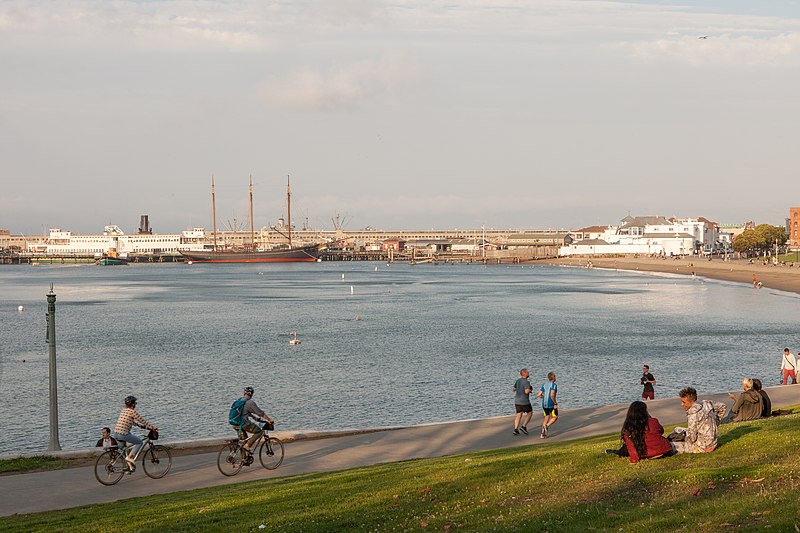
[414,114]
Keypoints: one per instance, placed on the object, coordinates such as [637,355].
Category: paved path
[43,491]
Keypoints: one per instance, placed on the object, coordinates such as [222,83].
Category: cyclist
[122,431]
[251,409]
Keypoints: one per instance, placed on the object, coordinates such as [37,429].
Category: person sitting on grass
[642,436]
[767,403]
[703,420]
[748,406]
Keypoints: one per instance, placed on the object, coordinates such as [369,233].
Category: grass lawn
[27,464]
[752,482]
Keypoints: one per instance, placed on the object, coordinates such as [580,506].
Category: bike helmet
[249,391]
[130,401]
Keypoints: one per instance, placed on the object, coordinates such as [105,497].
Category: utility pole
[51,341]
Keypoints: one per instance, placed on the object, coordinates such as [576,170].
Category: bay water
[382,345]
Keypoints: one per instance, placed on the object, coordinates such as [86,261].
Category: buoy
[376,269]
[351,289]
[342,276]
[188,262]
[20,308]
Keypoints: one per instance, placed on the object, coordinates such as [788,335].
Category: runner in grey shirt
[522,402]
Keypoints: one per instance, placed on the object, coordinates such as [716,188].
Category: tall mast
[289,209]
[252,235]
[214,212]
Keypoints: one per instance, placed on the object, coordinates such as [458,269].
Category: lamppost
[51,341]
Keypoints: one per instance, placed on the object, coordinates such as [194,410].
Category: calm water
[433,343]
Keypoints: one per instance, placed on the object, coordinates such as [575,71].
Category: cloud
[342,87]
[725,50]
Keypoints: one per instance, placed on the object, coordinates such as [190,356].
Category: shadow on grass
[736,431]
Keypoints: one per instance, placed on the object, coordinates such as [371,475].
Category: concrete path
[43,491]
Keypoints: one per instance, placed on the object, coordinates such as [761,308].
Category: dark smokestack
[144,226]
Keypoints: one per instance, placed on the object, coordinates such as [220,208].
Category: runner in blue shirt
[549,404]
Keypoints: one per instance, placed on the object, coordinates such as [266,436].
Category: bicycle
[232,456]
[111,465]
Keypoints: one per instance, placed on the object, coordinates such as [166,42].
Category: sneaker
[129,460]
[516,432]
[524,429]
[544,430]
[542,436]
[612,452]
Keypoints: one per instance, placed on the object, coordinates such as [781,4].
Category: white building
[61,242]
[652,235]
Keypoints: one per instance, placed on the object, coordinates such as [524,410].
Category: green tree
[761,238]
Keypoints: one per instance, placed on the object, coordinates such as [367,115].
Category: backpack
[235,417]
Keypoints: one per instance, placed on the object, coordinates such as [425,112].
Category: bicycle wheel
[230,460]
[271,453]
[109,467]
[157,461]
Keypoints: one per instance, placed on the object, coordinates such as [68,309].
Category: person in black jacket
[106,441]
[767,410]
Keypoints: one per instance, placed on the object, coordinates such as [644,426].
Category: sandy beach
[780,277]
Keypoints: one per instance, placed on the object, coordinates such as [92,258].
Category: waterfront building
[649,235]
[793,226]
[64,243]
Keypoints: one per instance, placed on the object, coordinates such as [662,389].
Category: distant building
[649,235]
[793,226]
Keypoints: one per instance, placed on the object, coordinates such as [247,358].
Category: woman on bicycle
[122,431]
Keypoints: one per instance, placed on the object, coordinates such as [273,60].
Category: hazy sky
[405,114]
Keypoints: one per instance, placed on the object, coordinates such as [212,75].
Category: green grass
[27,464]
[752,481]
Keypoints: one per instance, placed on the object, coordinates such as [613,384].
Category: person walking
[788,367]
[549,403]
[648,381]
[522,402]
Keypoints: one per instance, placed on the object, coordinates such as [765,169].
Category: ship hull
[305,254]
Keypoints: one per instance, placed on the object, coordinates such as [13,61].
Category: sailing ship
[280,254]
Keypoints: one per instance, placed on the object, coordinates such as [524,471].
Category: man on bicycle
[251,409]
[122,431]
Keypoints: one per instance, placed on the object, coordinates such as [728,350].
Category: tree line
[762,237]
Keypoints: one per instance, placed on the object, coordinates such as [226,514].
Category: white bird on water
[20,308]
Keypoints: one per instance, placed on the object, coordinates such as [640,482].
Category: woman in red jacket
[643,436]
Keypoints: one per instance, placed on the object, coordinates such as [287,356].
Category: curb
[285,436]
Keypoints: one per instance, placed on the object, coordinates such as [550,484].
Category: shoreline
[781,277]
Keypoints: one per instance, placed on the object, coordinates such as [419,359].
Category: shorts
[648,395]
[550,411]
[526,408]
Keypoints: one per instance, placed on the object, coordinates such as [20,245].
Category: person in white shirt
[788,367]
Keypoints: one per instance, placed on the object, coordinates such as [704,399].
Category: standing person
[648,381]
[249,408]
[128,418]
[703,417]
[788,367]
[106,441]
[522,402]
[549,404]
